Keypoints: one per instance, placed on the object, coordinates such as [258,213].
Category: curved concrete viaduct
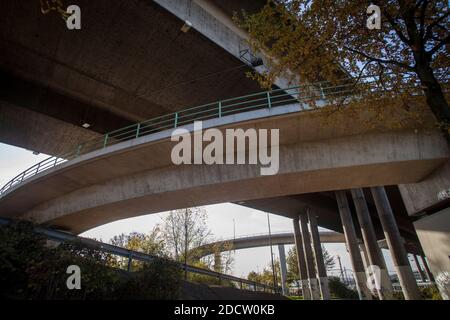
[262,240]
[127,179]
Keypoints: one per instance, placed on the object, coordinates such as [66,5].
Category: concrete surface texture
[129,62]
[434,234]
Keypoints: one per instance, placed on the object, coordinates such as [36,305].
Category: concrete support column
[364,255]
[217,262]
[318,255]
[419,268]
[383,282]
[311,270]
[395,243]
[303,274]
[353,247]
[427,269]
[283,269]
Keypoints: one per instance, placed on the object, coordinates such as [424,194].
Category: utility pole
[271,256]
[185,242]
[234,235]
[340,268]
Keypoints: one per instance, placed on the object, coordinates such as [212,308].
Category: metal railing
[131,255]
[307,95]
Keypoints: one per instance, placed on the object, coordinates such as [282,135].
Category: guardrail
[131,255]
[307,95]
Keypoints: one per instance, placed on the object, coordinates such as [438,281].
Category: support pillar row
[419,268]
[427,269]
[301,260]
[383,283]
[311,270]
[353,246]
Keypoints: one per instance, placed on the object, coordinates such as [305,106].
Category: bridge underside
[325,206]
[128,63]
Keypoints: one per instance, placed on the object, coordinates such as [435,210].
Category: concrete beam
[424,196]
[218,26]
[38,132]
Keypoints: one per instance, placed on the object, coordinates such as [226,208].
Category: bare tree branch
[439,45]
[423,10]
[384,61]
[395,26]
[435,23]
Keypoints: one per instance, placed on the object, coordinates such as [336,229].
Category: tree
[292,264]
[328,259]
[266,275]
[315,40]
[151,243]
[185,229]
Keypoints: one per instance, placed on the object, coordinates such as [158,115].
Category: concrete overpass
[131,62]
[125,179]
[261,240]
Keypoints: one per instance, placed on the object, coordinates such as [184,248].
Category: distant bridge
[260,240]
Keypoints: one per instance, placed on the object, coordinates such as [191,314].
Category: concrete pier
[353,247]
[217,262]
[318,254]
[303,274]
[310,265]
[395,243]
[419,268]
[364,255]
[427,269]
[283,269]
[383,282]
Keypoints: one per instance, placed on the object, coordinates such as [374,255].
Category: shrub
[29,269]
[431,293]
[340,290]
[160,279]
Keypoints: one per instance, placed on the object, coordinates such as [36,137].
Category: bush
[156,280]
[20,248]
[340,290]
[29,269]
[431,293]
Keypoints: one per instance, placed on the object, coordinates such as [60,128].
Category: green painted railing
[304,95]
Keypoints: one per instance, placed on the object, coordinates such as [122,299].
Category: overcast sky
[220,220]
